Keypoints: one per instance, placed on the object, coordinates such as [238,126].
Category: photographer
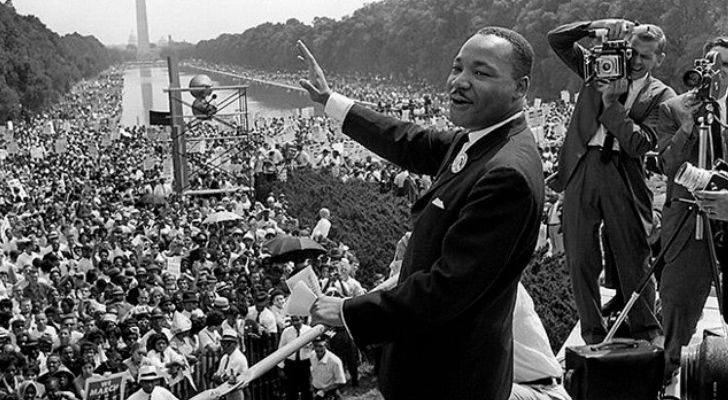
[687,276]
[601,168]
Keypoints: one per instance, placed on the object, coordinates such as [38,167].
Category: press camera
[608,61]
[705,77]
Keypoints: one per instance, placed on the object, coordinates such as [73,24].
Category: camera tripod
[703,230]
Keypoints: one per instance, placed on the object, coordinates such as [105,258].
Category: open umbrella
[221,216]
[293,248]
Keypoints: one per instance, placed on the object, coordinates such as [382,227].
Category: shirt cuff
[343,320]
[337,106]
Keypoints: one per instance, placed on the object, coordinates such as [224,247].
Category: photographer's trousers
[597,193]
[685,282]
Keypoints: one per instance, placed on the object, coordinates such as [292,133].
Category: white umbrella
[221,216]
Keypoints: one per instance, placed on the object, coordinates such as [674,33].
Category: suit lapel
[485,146]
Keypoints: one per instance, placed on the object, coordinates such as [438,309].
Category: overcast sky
[112,21]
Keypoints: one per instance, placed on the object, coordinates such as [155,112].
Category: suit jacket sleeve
[476,253]
[674,143]
[563,40]
[636,139]
[408,145]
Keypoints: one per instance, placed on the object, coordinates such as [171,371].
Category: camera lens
[606,67]
[692,78]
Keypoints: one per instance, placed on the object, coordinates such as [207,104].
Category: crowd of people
[104,269]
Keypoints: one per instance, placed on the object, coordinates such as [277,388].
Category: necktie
[608,143]
[298,352]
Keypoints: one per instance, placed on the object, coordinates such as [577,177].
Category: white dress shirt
[289,334]
[326,371]
[533,358]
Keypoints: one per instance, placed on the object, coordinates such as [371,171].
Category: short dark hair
[720,41]
[522,53]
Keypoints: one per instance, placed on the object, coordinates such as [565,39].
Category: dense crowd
[103,268]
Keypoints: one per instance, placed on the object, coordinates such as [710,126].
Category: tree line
[37,65]
[417,39]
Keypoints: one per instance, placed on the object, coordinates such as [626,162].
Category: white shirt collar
[638,83]
[636,86]
[479,134]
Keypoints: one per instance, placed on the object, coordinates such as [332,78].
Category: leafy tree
[37,65]
[416,39]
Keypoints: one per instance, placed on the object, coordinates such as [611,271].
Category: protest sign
[12,147]
[167,169]
[106,140]
[60,145]
[37,153]
[148,163]
[565,96]
[109,387]
[174,265]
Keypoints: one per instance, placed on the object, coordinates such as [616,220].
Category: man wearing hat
[116,301]
[150,379]
[221,304]
[190,302]
[261,314]
[327,372]
[159,318]
[233,363]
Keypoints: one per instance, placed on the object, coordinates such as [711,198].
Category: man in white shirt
[40,327]
[297,367]
[321,230]
[327,372]
[233,363]
[536,372]
[262,315]
[149,379]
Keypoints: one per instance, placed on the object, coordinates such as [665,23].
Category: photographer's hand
[618,28]
[689,105]
[612,90]
[713,203]
[316,85]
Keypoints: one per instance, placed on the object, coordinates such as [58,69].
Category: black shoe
[613,306]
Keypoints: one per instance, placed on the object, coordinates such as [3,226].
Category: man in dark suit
[687,275]
[601,173]
[447,326]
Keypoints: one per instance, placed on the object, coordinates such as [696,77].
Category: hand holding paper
[301,300]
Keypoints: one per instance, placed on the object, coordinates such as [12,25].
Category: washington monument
[142,30]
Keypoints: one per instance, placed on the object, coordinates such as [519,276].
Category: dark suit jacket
[448,324]
[635,133]
[675,147]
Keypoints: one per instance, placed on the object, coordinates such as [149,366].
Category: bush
[367,221]
[547,281]
[371,223]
